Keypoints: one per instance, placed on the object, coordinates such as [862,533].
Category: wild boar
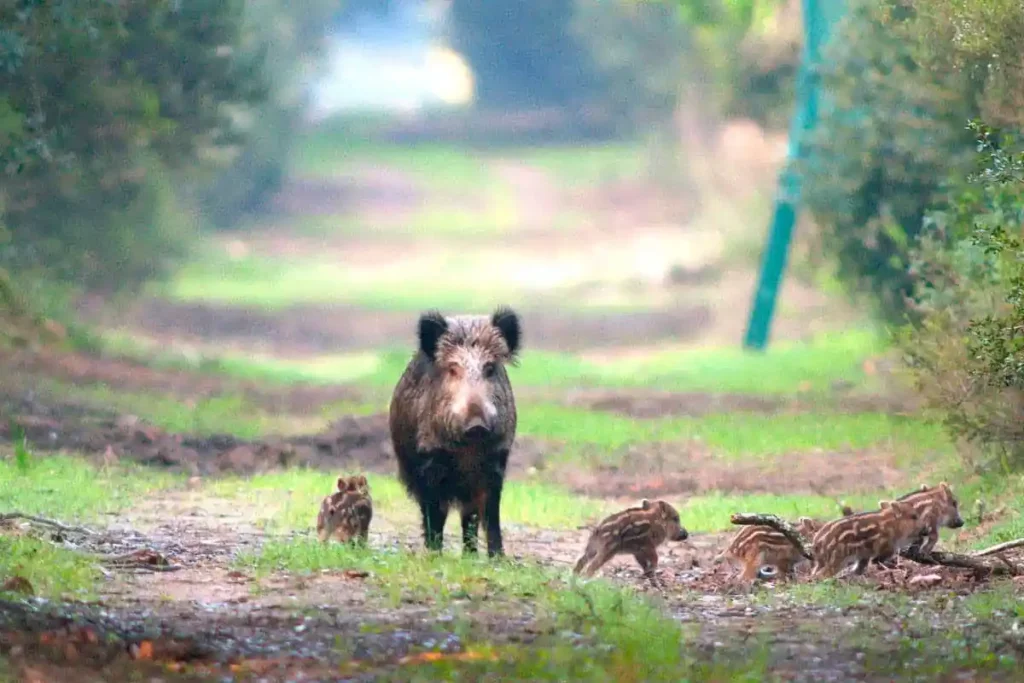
[453,421]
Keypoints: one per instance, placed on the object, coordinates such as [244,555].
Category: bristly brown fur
[757,545]
[453,421]
[864,536]
[637,531]
[346,514]
[936,507]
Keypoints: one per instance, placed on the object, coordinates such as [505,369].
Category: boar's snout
[480,419]
[682,535]
[957,522]
[478,427]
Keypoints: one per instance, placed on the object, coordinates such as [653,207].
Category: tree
[522,52]
[102,104]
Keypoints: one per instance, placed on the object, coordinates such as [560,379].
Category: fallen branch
[777,523]
[1002,547]
[144,558]
[948,559]
[977,561]
[47,522]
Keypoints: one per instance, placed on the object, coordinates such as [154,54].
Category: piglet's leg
[647,558]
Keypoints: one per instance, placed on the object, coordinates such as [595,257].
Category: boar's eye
[452,371]
[488,370]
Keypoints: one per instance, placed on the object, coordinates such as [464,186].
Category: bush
[967,353]
[642,52]
[102,107]
[889,134]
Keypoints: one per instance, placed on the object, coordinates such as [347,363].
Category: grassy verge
[734,435]
[70,490]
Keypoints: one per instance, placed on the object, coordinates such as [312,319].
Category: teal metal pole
[780,233]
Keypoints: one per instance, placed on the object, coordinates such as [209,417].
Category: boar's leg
[492,509]
[435,513]
[470,529]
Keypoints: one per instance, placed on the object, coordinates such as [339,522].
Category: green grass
[403,285]
[273,285]
[785,369]
[439,166]
[52,571]
[70,490]
[67,488]
[333,150]
[588,165]
[732,435]
[289,501]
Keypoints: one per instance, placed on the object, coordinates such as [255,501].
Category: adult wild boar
[453,421]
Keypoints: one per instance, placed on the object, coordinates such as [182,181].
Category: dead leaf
[926,580]
[17,584]
[143,650]
[870,368]
[355,574]
[434,656]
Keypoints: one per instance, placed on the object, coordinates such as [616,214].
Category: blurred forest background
[132,132]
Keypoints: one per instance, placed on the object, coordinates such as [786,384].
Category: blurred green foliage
[643,51]
[750,50]
[983,38]
[289,40]
[967,354]
[890,133]
[102,105]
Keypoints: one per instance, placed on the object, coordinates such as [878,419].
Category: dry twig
[1002,547]
[47,522]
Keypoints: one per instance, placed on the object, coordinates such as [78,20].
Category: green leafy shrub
[889,134]
[967,352]
[103,106]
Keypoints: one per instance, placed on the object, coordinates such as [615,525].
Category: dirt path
[209,619]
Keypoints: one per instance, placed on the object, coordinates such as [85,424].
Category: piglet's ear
[507,322]
[342,483]
[645,504]
[430,328]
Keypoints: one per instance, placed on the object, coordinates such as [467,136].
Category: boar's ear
[342,483]
[507,322]
[882,504]
[645,504]
[944,486]
[431,326]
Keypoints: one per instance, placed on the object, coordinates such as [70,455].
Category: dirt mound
[362,441]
